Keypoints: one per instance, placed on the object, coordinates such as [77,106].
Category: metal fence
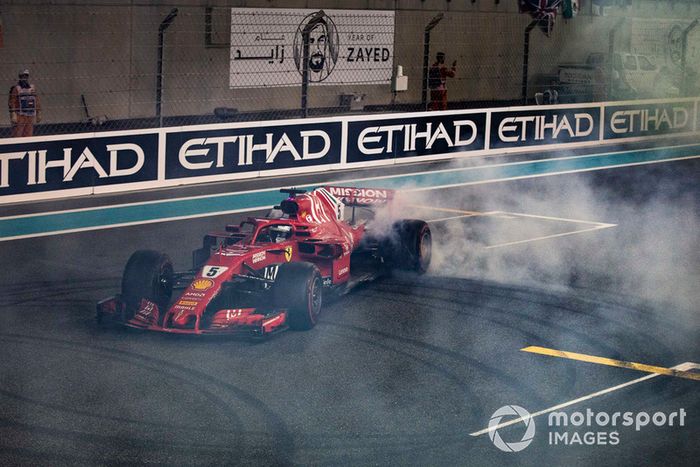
[111,66]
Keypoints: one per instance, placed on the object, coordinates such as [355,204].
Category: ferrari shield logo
[288,253]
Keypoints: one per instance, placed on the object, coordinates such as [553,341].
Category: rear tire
[148,274]
[298,288]
[409,247]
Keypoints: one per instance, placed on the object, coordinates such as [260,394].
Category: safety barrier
[50,167]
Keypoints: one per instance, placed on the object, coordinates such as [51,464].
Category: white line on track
[564,158]
[551,218]
[131,224]
[547,174]
[683,367]
[443,219]
[515,215]
[339,182]
[546,237]
[384,177]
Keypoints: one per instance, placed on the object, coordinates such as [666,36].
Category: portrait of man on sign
[323,46]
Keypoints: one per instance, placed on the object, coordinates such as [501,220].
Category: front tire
[148,274]
[298,288]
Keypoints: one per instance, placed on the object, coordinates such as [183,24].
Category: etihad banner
[371,140]
[46,167]
[628,120]
[535,126]
[344,47]
[225,151]
[76,162]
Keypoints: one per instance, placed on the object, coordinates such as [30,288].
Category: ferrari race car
[269,274]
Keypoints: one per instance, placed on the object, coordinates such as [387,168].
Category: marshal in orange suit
[24,106]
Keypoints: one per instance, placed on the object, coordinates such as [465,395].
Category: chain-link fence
[113,65]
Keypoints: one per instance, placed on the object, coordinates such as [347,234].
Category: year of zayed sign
[345,47]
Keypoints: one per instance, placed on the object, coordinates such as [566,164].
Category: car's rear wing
[361,197]
[365,197]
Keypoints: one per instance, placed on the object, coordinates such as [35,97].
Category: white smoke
[642,246]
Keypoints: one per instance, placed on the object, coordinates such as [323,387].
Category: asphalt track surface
[401,371]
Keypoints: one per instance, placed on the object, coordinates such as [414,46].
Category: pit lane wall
[49,167]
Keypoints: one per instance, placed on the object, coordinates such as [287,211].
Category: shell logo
[202,284]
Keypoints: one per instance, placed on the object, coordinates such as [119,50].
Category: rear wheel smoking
[409,246]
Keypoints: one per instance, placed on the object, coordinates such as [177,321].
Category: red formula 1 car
[269,274]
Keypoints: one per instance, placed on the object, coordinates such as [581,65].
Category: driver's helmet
[280,233]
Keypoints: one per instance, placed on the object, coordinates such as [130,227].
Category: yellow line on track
[611,362]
